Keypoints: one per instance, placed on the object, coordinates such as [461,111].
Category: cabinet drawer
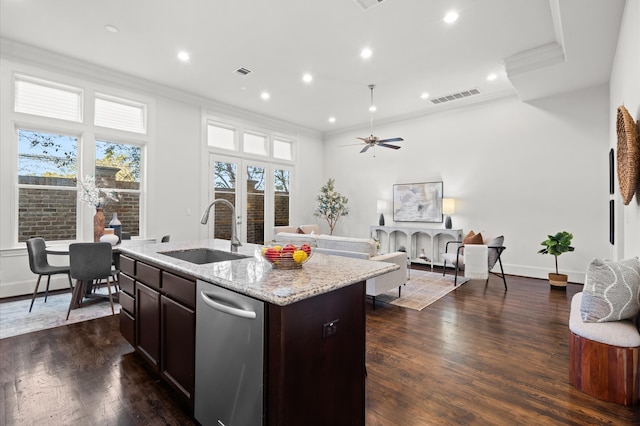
[127,302]
[127,284]
[148,275]
[128,327]
[180,289]
[128,265]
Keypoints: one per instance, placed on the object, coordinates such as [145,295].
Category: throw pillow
[299,231]
[611,290]
[474,239]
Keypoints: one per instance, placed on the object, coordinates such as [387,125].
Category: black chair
[89,262]
[165,239]
[39,264]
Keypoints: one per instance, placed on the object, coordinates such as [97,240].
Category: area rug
[422,289]
[15,318]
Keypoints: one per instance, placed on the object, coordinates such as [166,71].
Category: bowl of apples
[287,255]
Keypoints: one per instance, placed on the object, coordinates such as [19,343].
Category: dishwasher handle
[238,312]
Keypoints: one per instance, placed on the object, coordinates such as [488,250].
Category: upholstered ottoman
[604,357]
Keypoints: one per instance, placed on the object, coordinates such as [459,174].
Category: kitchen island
[313,344]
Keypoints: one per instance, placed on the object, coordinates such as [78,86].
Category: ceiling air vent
[366,4]
[455,96]
[243,71]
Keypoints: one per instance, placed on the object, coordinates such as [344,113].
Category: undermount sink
[202,256]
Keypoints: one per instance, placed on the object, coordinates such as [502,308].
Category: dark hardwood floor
[479,356]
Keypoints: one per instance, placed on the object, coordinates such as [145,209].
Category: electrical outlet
[330,328]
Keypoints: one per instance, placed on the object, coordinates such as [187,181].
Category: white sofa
[361,248]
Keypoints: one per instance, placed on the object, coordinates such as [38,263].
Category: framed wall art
[417,202]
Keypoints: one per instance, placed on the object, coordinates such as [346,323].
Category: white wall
[625,90]
[522,170]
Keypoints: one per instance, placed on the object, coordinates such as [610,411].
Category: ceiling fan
[374,140]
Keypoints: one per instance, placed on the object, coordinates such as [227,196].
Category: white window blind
[48,99]
[120,114]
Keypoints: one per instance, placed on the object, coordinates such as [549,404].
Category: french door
[259,191]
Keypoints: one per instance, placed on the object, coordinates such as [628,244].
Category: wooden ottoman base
[606,372]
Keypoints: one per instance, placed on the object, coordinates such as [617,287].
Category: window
[282,149]
[221,137]
[117,169]
[53,153]
[116,113]
[254,144]
[47,99]
[47,196]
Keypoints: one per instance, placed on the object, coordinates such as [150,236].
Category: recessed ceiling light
[265,95]
[451,17]
[366,53]
[424,95]
[492,77]
[111,28]
[307,78]
[332,119]
[372,108]
[183,56]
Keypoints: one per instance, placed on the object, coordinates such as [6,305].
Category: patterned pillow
[611,290]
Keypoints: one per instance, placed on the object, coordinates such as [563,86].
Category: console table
[411,233]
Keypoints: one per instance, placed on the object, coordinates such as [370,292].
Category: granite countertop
[255,277]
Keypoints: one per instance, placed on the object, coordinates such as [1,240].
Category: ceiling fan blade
[389,146]
[365,149]
[391,140]
[365,140]
[350,144]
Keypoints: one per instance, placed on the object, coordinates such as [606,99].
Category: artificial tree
[555,245]
[331,205]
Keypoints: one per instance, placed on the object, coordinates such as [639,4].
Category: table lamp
[448,208]
[382,206]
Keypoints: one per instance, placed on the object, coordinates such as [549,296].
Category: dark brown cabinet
[148,324]
[158,319]
[177,355]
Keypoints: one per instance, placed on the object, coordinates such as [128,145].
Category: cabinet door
[148,323]
[177,360]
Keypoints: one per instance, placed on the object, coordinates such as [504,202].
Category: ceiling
[535,47]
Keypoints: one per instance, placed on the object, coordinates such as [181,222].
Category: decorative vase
[117,227]
[381,220]
[98,225]
[109,238]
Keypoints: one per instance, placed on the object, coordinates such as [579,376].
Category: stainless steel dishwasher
[229,357]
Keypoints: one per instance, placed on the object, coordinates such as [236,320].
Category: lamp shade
[381,206]
[448,205]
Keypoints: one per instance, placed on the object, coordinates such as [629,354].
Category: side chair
[495,248]
[39,264]
[89,262]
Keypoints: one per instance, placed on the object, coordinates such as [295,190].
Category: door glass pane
[255,204]
[281,179]
[225,188]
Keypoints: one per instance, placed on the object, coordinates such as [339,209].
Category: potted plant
[331,205]
[555,245]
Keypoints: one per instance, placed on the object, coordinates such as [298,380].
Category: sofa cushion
[619,333]
[292,237]
[473,238]
[493,254]
[364,245]
[611,290]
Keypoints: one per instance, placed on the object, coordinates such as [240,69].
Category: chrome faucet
[235,242]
